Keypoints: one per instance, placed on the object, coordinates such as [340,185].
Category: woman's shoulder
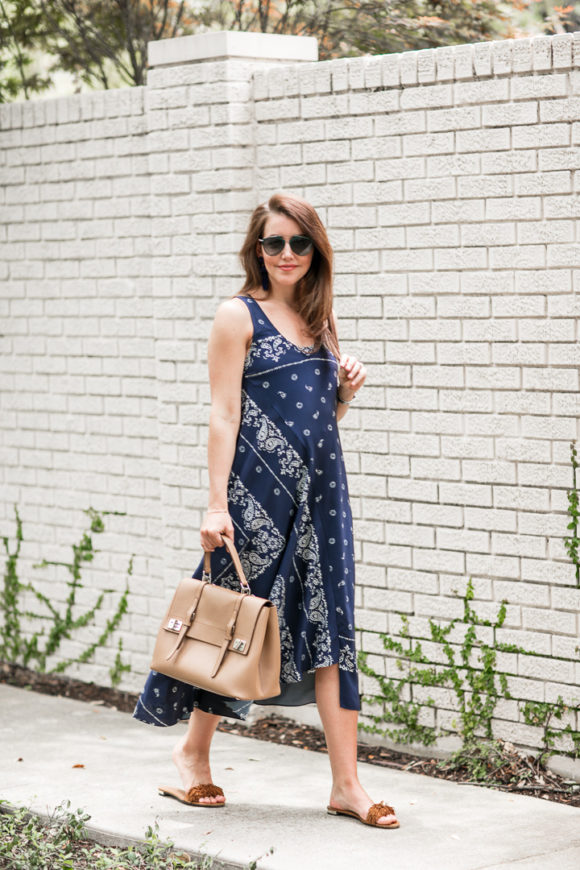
[233,319]
[233,307]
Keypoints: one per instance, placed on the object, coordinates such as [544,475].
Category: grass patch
[61,842]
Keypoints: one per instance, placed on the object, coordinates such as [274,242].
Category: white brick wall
[446,180]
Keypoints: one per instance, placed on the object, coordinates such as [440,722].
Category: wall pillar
[204,184]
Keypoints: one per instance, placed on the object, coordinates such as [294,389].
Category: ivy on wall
[472,674]
[31,633]
[469,668]
[572,543]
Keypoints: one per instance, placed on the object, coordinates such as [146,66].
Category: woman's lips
[287,268]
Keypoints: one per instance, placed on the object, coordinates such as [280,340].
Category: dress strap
[261,326]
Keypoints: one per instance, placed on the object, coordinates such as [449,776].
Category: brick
[428,143]
[278,109]
[558,622]
[438,607]
[456,118]
[426,96]
[439,515]
[566,598]
[493,566]
[386,600]
[546,668]
[532,87]
[465,400]
[412,490]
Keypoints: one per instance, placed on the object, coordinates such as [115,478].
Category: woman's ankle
[345,785]
[190,754]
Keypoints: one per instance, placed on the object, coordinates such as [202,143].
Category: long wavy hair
[314,290]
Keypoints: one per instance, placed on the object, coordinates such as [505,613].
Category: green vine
[34,647]
[470,671]
[396,707]
[541,714]
[477,689]
[572,543]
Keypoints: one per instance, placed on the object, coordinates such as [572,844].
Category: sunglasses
[300,245]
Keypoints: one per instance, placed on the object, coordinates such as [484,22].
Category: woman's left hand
[351,376]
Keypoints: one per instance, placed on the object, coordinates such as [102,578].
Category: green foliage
[540,714]
[358,27]
[396,708]
[481,759]
[34,647]
[493,762]
[470,671]
[572,543]
[20,25]
[119,667]
[61,843]
[108,47]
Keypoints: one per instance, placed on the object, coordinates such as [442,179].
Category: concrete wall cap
[221,44]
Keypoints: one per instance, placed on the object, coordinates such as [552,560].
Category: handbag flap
[214,612]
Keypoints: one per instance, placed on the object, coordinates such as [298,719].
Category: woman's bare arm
[229,338]
[351,376]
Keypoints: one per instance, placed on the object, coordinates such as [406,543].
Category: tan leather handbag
[217,639]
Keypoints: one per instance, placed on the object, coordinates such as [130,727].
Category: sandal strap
[205,790]
[377,811]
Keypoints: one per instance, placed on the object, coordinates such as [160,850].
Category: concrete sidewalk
[276,796]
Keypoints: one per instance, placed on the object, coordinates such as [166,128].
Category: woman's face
[286,268]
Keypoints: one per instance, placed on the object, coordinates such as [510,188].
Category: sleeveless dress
[288,500]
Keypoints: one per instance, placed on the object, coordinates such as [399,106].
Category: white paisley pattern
[267,542]
[272,347]
[288,502]
[289,673]
[270,438]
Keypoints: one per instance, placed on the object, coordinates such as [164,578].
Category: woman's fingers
[352,372]
[214,528]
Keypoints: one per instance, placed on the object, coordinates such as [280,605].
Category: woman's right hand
[213,527]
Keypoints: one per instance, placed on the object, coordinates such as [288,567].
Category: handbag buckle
[174,624]
[239,644]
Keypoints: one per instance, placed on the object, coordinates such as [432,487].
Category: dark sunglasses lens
[273,245]
[301,245]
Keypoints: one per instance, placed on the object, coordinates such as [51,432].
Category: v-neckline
[307,349]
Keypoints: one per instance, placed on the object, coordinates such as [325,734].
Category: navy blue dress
[288,500]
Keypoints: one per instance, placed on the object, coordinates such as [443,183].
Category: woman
[277,489]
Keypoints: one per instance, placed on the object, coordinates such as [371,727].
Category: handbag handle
[230,547]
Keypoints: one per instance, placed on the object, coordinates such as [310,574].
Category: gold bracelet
[216,511]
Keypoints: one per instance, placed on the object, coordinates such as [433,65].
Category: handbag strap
[186,624]
[229,633]
[229,545]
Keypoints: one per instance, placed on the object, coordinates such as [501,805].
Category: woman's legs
[340,730]
[191,754]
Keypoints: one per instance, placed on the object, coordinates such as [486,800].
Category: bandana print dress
[288,500]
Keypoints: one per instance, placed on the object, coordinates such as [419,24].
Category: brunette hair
[314,291]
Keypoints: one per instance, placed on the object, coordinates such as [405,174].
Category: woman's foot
[355,799]
[194,770]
